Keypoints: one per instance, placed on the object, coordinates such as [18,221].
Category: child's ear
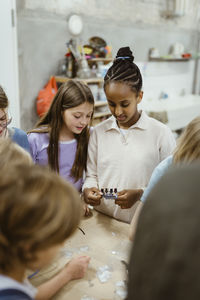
[139,97]
[25,247]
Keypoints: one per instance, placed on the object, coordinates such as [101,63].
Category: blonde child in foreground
[12,154]
[31,242]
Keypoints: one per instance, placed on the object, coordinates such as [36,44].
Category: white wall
[9,58]
[145,11]
[171,78]
[43,33]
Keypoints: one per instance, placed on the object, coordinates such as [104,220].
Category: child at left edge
[17,135]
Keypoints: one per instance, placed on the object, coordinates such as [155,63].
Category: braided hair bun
[125,53]
[124,70]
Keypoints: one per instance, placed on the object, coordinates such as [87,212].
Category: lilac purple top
[39,143]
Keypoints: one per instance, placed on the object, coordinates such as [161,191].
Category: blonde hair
[188,146]
[11,153]
[37,208]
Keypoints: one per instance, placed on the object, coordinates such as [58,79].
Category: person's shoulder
[103,125]
[162,167]
[165,162]
[19,132]
[156,123]
[14,294]
[38,136]
[157,126]
[10,289]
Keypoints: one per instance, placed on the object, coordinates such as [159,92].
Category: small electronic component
[109,193]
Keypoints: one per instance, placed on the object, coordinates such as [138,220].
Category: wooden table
[106,242]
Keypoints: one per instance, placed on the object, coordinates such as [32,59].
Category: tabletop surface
[106,242]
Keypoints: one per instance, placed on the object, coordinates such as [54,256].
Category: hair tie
[123,57]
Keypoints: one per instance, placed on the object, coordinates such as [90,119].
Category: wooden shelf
[162,59]
[101,114]
[62,79]
[100,103]
[98,59]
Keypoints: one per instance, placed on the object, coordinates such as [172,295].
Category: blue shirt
[158,172]
[19,137]
[12,289]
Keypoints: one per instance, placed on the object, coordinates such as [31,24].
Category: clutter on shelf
[85,61]
[176,52]
[88,62]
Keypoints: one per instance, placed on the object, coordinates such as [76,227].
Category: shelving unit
[101,114]
[98,115]
[162,59]
[62,79]
[104,60]
[100,103]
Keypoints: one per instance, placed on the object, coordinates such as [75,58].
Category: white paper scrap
[104,273]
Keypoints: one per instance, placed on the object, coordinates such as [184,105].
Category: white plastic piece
[85,297]
[104,273]
[84,248]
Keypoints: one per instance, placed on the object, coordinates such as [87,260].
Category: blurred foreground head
[12,154]
[38,209]
[165,260]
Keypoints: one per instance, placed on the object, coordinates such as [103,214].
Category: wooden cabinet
[101,111]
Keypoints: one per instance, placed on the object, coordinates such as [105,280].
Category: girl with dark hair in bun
[124,149]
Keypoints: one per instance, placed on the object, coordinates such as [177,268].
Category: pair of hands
[125,198]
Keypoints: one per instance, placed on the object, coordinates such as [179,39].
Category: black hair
[124,70]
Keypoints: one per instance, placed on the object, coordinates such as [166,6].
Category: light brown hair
[12,154]
[188,146]
[71,94]
[37,208]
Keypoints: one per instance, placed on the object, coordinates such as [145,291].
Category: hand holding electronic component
[126,198]
[109,193]
[92,196]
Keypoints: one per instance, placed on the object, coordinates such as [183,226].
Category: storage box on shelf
[101,111]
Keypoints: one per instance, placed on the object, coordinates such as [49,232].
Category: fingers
[85,259]
[83,265]
[92,196]
[96,191]
[122,204]
[93,202]
[88,212]
[121,193]
[77,267]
